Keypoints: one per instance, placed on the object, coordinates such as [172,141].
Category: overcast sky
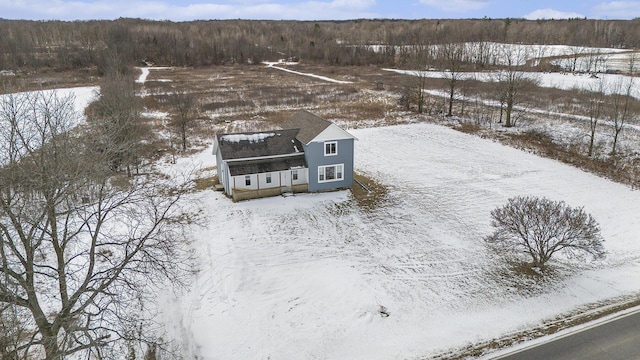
[184,10]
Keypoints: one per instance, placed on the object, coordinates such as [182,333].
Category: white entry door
[286,180]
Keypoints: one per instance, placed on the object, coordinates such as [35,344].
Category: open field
[308,276]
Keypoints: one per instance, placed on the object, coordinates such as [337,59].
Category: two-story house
[309,153]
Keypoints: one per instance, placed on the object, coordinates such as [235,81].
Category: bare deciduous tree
[540,227]
[451,58]
[623,105]
[116,117]
[595,109]
[512,82]
[78,245]
[620,109]
[184,104]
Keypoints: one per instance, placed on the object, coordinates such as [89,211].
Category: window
[330,173]
[330,148]
[268,178]
[247,180]
[294,174]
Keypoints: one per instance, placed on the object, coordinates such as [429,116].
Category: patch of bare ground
[367,192]
[206,183]
[256,98]
[582,315]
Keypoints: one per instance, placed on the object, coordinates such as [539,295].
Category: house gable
[313,128]
[332,133]
[308,125]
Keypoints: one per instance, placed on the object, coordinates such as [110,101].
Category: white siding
[259,181]
[275,180]
[303,176]
[239,182]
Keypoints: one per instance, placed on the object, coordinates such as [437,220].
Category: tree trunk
[591,140]
[184,139]
[507,121]
[51,349]
[616,133]
[451,95]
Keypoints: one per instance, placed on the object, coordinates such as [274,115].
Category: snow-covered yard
[305,277]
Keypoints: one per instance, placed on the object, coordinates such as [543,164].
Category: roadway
[616,339]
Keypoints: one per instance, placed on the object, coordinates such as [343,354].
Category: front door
[286,181]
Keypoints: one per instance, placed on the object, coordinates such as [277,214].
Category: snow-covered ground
[304,277]
[82,96]
[74,100]
[563,81]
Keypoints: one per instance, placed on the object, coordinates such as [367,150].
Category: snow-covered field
[82,96]
[305,277]
[563,81]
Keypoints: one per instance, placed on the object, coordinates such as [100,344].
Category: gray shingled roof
[259,144]
[310,125]
[266,165]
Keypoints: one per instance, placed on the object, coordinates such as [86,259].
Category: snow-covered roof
[252,138]
[259,144]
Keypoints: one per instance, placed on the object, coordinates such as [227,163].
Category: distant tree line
[63,45]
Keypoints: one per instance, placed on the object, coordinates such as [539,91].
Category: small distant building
[309,154]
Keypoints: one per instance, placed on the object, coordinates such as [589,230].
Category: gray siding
[314,153]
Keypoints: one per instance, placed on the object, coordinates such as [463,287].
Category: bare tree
[623,105]
[540,227]
[451,60]
[595,109]
[414,92]
[620,109]
[577,52]
[512,82]
[116,117]
[184,106]
[78,245]
[595,61]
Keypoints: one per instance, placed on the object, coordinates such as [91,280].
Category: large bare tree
[78,244]
[539,228]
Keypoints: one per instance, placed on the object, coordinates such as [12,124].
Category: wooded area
[62,45]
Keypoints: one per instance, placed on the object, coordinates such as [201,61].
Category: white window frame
[322,173]
[294,175]
[268,178]
[335,148]
[247,180]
